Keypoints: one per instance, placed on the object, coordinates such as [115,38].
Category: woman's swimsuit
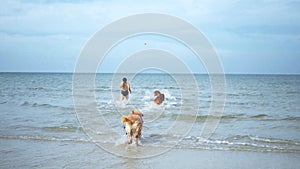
[124,93]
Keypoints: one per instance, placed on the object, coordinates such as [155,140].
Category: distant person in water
[125,89]
[159,97]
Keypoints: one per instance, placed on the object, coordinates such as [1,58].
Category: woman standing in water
[125,89]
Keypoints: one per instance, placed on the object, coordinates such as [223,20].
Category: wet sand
[224,159]
[18,153]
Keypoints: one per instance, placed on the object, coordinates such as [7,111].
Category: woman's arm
[129,88]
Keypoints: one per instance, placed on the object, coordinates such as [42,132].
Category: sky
[249,36]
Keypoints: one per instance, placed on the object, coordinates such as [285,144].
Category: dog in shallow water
[133,125]
[159,97]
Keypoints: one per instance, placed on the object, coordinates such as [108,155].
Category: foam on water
[155,140]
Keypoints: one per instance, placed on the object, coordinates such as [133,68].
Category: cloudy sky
[249,36]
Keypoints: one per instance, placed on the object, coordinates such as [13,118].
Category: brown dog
[133,125]
[159,97]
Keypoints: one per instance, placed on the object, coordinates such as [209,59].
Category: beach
[63,154]
[42,126]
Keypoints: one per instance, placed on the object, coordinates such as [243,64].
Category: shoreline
[41,154]
[226,159]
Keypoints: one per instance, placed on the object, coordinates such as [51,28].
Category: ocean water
[38,113]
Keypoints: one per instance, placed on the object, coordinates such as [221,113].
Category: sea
[46,122]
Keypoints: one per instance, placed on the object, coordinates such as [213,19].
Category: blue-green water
[262,113]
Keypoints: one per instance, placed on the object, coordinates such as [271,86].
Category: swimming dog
[159,97]
[133,125]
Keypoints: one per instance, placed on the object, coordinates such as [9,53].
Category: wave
[272,140]
[42,138]
[62,128]
[44,105]
[36,88]
[259,116]
[293,92]
[25,103]
[204,117]
[291,119]
[236,143]
[102,89]
[240,116]
[250,143]
[224,117]
[243,94]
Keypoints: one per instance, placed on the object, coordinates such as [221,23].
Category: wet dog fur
[133,125]
[159,97]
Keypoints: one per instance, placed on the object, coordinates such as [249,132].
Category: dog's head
[156,93]
[133,119]
[124,119]
[128,124]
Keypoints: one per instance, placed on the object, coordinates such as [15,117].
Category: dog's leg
[140,131]
[137,139]
[138,134]
[130,137]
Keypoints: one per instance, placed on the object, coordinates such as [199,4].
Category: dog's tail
[137,112]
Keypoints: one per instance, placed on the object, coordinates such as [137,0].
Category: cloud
[85,16]
[42,18]
[237,29]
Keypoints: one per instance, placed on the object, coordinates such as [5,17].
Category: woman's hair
[124,82]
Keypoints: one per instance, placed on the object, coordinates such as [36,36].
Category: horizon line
[196,73]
